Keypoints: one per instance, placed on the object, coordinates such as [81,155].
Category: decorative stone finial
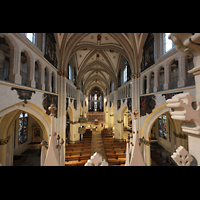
[52,108]
[135,112]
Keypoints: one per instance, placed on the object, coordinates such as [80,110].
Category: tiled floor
[97,143]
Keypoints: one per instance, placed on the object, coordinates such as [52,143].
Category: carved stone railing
[182,157]
[182,109]
[96,160]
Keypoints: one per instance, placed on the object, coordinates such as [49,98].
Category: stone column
[55,83]
[61,110]
[31,73]
[109,118]
[14,75]
[115,113]
[167,78]
[49,74]
[155,89]
[182,71]
[148,83]
[78,92]
[84,105]
[41,77]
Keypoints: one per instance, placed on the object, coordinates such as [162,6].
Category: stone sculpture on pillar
[53,157]
[133,152]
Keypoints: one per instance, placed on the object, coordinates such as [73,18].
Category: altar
[95,117]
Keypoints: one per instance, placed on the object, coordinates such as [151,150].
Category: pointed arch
[72,113]
[37,113]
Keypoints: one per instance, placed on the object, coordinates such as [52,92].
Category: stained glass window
[23,128]
[125,73]
[162,126]
[95,105]
[95,97]
[70,73]
[167,42]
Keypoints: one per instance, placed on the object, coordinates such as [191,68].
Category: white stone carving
[133,152]
[182,105]
[53,157]
[182,157]
[96,160]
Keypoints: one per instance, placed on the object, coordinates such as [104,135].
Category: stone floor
[97,142]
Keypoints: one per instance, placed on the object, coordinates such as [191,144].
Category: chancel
[99,99]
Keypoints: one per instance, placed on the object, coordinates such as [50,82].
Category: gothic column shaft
[31,73]
[14,75]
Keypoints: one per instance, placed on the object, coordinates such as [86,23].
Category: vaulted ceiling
[97,56]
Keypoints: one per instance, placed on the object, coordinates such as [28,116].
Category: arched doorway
[162,129]
[24,132]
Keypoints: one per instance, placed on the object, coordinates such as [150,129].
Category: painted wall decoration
[24,94]
[147,104]
[47,99]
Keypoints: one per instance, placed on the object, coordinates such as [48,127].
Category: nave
[98,140]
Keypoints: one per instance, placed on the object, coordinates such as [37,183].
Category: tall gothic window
[125,73]
[148,53]
[23,128]
[95,97]
[31,37]
[50,49]
[70,73]
[168,44]
[4,59]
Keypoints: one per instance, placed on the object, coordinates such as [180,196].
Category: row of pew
[87,134]
[79,153]
[115,151]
